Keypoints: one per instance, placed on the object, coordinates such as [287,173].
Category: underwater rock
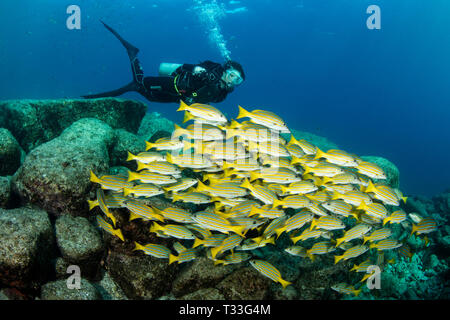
[126,142]
[141,277]
[55,175]
[5,191]
[27,245]
[200,274]
[152,123]
[245,284]
[108,289]
[58,290]
[10,153]
[34,122]
[204,294]
[80,244]
[390,169]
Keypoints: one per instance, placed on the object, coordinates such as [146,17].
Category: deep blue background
[314,62]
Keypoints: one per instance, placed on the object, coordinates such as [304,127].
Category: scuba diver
[202,83]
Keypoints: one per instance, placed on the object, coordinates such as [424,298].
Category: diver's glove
[198,70]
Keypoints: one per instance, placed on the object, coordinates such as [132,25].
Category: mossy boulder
[34,122]
[27,246]
[126,142]
[55,175]
[58,290]
[79,243]
[5,191]
[10,153]
[245,284]
[152,123]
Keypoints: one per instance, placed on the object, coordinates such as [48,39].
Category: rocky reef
[47,150]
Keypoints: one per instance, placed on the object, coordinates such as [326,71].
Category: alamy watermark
[374,280]
[74,20]
[374,20]
[74,280]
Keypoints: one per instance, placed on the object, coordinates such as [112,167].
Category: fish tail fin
[277,203]
[253,176]
[218,262]
[357,292]
[148,145]
[338,258]
[201,187]
[126,191]
[246,184]
[284,283]
[187,116]
[404,199]
[119,234]
[172,258]
[231,133]
[313,224]
[279,231]
[319,154]
[386,220]
[169,157]
[215,251]
[365,239]
[414,229]
[371,187]
[140,166]
[339,241]
[94,178]
[155,227]
[271,240]
[238,230]
[132,176]
[130,156]
[293,141]
[92,204]
[242,113]
[137,246]
[336,195]
[183,106]
[198,242]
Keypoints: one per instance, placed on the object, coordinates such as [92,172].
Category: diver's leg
[160,89]
[136,68]
[114,93]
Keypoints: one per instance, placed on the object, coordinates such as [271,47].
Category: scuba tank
[166,68]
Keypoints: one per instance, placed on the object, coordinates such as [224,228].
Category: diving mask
[232,77]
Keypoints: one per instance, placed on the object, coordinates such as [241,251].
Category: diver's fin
[131,50]
[132,86]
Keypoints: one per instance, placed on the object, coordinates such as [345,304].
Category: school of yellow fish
[254,186]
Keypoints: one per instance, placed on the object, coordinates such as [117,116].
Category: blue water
[314,62]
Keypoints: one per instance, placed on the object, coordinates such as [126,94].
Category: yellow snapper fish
[251,244]
[371,170]
[294,202]
[375,210]
[204,111]
[260,192]
[162,167]
[268,270]
[173,230]
[213,240]
[153,249]
[266,212]
[426,225]
[295,150]
[151,177]
[180,185]
[146,157]
[196,131]
[192,197]
[193,161]
[213,221]
[225,190]
[253,132]
[307,234]
[265,118]
[229,243]
[307,148]
[138,210]
[143,190]
[174,214]
[353,197]
[183,256]
[345,289]
[396,217]
[343,178]
[297,221]
[318,248]
[362,267]
[165,143]
[357,231]
[112,200]
[297,251]
[327,223]
[299,187]
[109,229]
[386,244]
[102,204]
[324,170]
[378,234]
[337,157]
[338,207]
[236,257]
[268,148]
[353,252]
[275,175]
[383,193]
[111,182]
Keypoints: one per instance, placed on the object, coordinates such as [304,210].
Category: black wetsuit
[182,84]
